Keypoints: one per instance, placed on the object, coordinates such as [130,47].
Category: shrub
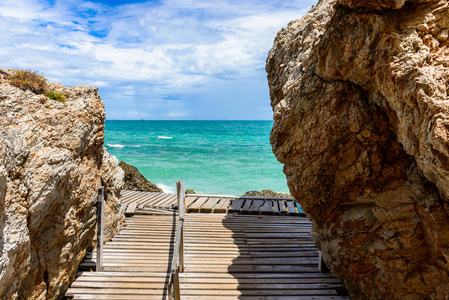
[28,80]
[55,96]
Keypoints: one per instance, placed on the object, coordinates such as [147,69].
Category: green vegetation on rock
[55,96]
[28,80]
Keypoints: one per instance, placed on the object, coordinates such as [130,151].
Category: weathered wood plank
[130,209]
[222,206]
[209,205]
[291,208]
[236,205]
[195,206]
[267,207]
[282,208]
[276,207]
[255,206]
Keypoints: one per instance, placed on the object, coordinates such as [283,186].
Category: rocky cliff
[52,161]
[359,91]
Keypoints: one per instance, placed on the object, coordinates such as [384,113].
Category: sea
[211,157]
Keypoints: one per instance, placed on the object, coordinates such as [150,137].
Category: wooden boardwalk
[227,256]
[214,203]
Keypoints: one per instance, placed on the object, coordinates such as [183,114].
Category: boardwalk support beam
[100,213]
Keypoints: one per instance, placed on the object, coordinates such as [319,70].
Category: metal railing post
[100,213]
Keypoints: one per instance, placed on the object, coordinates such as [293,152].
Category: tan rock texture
[359,91]
[51,163]
[112,178]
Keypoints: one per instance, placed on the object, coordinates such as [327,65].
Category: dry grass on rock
[28,80]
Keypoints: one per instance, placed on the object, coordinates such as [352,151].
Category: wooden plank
[209,205]
[291,208]
[266,292]
[159,201]
[195,206]
[255,206]
[276,207]
[246,206]
[304,287]
[282,208]
[246,280]
[236,205]
[267,207]
[222,206]
[190,199]
[298,276]
[238,297]
[131,209]
[111,291]
[119,297]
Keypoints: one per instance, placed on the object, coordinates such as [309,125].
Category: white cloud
[169,45]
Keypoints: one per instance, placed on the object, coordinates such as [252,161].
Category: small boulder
[134,181]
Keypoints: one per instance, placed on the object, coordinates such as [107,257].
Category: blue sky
[154,60]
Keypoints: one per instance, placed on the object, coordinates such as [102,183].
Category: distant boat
[164,137]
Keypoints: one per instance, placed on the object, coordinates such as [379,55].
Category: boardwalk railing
[177,265]
[100,212]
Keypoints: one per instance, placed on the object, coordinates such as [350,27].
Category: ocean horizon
[211,157]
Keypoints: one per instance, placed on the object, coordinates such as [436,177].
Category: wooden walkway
[227,256]
[214,203]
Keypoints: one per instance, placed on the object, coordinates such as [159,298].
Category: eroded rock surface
[359,91]
[51,164]
[112,180]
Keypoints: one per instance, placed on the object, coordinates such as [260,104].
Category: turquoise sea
[218,157]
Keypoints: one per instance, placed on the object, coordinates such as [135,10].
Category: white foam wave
[166,188]
[164,137]
[115,145]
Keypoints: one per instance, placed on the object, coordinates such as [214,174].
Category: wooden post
[181,199]
[181,249]
[181,210]
[100,212]
[176,290]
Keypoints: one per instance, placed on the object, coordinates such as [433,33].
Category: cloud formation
[154,59]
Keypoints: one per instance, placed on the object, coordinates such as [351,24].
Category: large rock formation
[359,91]
[51,163]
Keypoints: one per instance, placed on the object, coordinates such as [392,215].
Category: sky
[153,60]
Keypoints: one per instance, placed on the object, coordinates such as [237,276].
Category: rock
[267,193]
[51,165]
[134,181]
[359,91]
[190,192]
[112,177]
